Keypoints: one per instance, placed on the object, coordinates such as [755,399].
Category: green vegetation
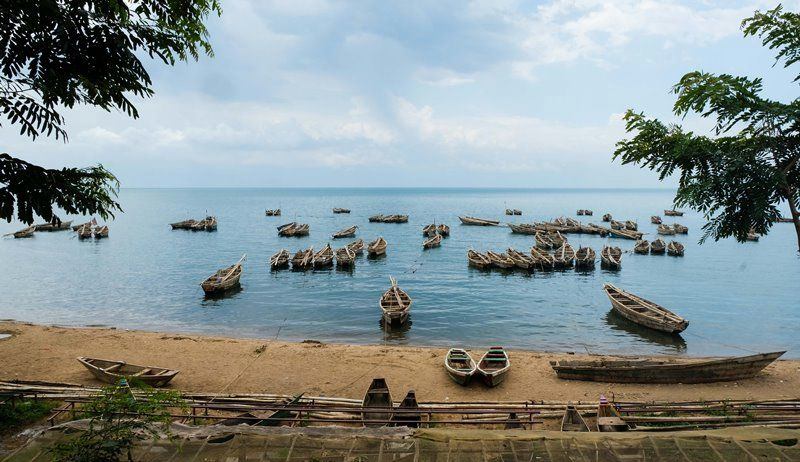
[60,54]
[117,420]
[740,176]
[20,413]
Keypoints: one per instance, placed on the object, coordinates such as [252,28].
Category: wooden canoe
[377,404]
[345,257]
[429,230]
[522,228]
[112,372]
[625,234]
[396,219]
[642,247]
[644,312]
[673,213]
[303,259]
[752,236]
[494,366]
[324,258]
[675,249]
[584,258]
[631,225]
[432,242]
[377,247]
[347,232]
[279,260]
[85,232]
[580,212]
[185,224]
[572,421]
[101,232]
[395,305]
[617,224]
[668,370]
[542,259]
[406,418]
[501,261]
[564,257]
[608,418]
[459,366]
[557,239]
[376,218]
[478,260]
[472,221]
[680,229]
[543,241]
[208,223]
[658,247]
[24,233]
[357,246]
[53,226]
[655,219]
[224,279]
[521,260]
[340,210]
[443,230]
[273,213]
[666,230]
[607,217]
[588,212]
[611,257]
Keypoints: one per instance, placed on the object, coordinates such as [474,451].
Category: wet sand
[218,364]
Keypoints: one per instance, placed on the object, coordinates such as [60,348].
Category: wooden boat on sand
[478,260]
[460,366]
[642,247]
[432,242]
[644,312]
[584,258]
[669,370]
[340,210]
[608,418]
[303,259]
[112,372]
[224,279]
[658,247]
[572,421]
[499,260]
[279,260]
[324,258]
[395,305]
[377,247]
[273,213]
[347,232]
[655,219]
[675,249]
[493,366]
[673,213]
[611,258]
[521,261]
[377,404]
[357,246]
[472,221]
[345,257]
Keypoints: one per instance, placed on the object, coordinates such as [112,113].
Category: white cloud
[441,77]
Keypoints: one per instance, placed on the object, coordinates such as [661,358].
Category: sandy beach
[218,364]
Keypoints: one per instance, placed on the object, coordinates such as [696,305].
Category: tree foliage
[63,53]
[738,177]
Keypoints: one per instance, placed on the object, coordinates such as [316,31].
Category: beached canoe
[377,247]
[494,366]
[478,260]
[611,258]
[675,249]
[669,370]
[303,259]
[472,221]
[347,232]
[112,372]
[608,418]
[432,242]
[644,312]
[658,247]
[572,421]
[377,404]
[459,366]
[584,258]
[345,257]
[395,305]
[224,279]
[500,260]
[324,258]
[673,213]
[340,210]
[273,213]
[279,260]
[642,247]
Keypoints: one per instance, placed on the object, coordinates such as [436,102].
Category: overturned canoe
[644,312]
[459,366]
[667,370]
[472,221]
[112,372]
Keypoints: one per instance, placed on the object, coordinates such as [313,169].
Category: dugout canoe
[443,230]
[101,232]
[644,312]
[429,230]
[472,221]
[224,279]
[50,227]
[460,366]
[542,259]
[112,372]
[543,241]
[572,421]
[494,366]
[584,258]
[23,233]
[680,229]
[377,404]
[395,305]
[611,257]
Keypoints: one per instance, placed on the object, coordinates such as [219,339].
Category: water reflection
[211,299]
[395,333]
[618,322]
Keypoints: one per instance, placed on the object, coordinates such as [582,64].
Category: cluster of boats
[563,257]
[87,230]
[294,229]
[396,218]
[658,247]
[345,257]
[513,212]
[208,223]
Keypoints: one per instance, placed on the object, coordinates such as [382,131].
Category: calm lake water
[738,297]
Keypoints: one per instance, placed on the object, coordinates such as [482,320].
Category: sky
[482,93]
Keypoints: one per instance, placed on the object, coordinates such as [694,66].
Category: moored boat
[607,217]
[345,257]
[377,247]
[459,366]
[23,233]
[357,246]
[432,242]
[279,259]
[625,234]
[542,259]
[494,366]
[572,421]
[564,256]
[658,247]
[224,279]
[584,258]
[303,259]
[644,312]
[675,249]
[557,239]
[631,225]
[85,232]
[112,372]
[443,230]
[521,260]
[478,260]
[429,230]
[588,212]
[668,370]
[472,221]
[340,210]
[680,229]
[377,404]
[611,257]
[522,228]
[543,241]
[347,232]
[580,212]
[376,218]
[752,236]
[655,219]
[324,258]
[101,232]
[54,225]
[617,224]
[673,213]
[395,305]
[208,223]
[501,261]
[185,224]
[666,230]
[273,212]
[642,247]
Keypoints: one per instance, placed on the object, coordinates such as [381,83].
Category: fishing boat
[94,222]
[673,213]
[642,247]
[608,418]
[572,421]
[617,224]
[658,247]
[340,210]
[429,230]
[377,247]
[376,218]
[185,224]
[112,372]
[680,229]
[588,212]
[443,230]
[287,230]
[584,258]
[345,257]
[557,239]
[357,246]
[472,221]
[53,226]
[668,370]
[303,259]
[396,219]
[611,257]
[501,261]
[459,366]
[655,219]
[208,223]
[543,260]
[23,233]
[631,225]
[85,232]
[752,236]
[324,258]
[675,249]
[521,260]
[522,228]
[513,212]
[395,305]
[666,230]
[625,234]
[273,213]
[101,232]
[377,404]
[224,279]
[607,217]
[404,417]
[644,312]
[279,260]
[564,257]
[478,260]
[432,242]
[493,366]
[301,230]
[347,232]
[579,212]
[543,241]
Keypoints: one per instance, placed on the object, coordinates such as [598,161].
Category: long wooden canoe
[460,366]
[112,372]
[395,305]
[224,279]
[680,229]
[324,258]
[521,260]
[377,247]
[564,257]
[611,258]
[673,213]
[340,210]
[666,230]
[279,260]
[273,213]
[655,219]
[665,371]
[472,221]
[347,232]
[584,258]
[432,242]
[50,227]
[357,246]
[345,257]
[543,260]
[608,418]
[303,259]
[499,260]
[543,241]
[101,232]
[572,421]
[478,260]
[377,404]
[23,233]
[644,312]
[494,366]
[522,228]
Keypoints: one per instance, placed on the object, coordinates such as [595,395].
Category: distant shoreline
[396,188]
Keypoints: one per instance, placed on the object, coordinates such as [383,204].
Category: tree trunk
[795,218]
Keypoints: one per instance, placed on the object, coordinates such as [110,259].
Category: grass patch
[21,413]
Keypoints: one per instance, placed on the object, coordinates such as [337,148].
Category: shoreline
[224,364]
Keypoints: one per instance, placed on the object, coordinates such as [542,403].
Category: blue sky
[417,93]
